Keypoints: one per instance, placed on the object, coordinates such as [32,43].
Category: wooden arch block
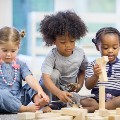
[102,63]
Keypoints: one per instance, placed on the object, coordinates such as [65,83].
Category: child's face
[109,46]
[8,51]
[65,45]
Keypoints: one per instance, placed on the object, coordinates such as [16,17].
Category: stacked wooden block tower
[74,113]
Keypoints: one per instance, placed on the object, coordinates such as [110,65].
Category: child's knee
[116,101]
[88,102]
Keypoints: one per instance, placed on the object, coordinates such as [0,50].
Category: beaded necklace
[16,67]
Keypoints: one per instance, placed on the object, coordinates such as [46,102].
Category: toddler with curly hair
[63,70]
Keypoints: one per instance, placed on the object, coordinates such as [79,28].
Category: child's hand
[65,96]
[97,70]
[73,87]
[77,87]
[43,95]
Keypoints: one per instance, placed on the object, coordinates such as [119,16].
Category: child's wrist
[57,93]
[95,76]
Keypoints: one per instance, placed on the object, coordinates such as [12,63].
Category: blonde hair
[11,34]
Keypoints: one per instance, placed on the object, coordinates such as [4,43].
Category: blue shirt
[9,73]
[113,73]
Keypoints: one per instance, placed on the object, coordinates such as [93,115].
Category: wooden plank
[102,97]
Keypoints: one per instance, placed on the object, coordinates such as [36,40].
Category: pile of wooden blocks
[63,114]
[72,114]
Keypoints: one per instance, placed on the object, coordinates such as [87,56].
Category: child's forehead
[66,35]
[9,45]
[108,35]
[110,38]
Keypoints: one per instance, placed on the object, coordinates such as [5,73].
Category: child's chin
[111,60]
[8,61]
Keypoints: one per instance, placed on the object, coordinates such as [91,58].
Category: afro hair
[55,25]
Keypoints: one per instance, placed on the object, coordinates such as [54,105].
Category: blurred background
[27,14]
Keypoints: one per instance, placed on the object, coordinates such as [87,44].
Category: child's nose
[8,54]
[110,50]
[68,44]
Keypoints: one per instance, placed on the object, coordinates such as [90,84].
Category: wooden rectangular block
[26,115]
[101,97]
[58,118]
[118,111]
[103,112]
[56,111]
[95,118]
[78,113]
[73,111]
[47,115]
[92,114]
[79,117]
[114,117]
[38,113]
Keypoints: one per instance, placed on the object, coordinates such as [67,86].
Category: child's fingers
[69,94]
[68,97]
[45,97]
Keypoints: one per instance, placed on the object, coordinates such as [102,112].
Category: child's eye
[115,48]
[72,41]
[13,51]
[4,50]
[62,42]
[105,48]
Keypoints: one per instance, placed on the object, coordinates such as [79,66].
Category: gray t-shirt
[67,66]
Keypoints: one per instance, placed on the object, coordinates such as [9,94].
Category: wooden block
[101,97]
[95,118]
[65,118]
[58,118]
[102,63]
[114,117]
[92,114]
[56,111]
[111,112]
[26,115]
[73,111]
[75,106]
[118,111]
[79,117]
[106,118]
[103,113]
[78,113]
[37,114]
[47,115]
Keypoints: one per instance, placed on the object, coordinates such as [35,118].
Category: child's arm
[34,84]
[92,81]
[62,95]
[81,77]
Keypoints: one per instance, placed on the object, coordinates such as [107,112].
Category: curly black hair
[58,24]
[104,31]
